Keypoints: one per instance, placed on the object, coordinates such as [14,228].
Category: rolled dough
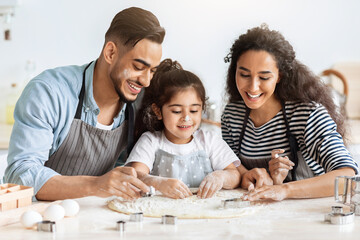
[188,208]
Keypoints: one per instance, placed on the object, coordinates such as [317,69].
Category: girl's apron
[191,168]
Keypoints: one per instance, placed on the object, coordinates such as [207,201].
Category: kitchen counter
[289,219]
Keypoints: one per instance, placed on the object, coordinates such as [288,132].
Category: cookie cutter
[338,217]
[169,219]
[136,217]
[342,218]
[150,193]
[234,203]
[120,226]
[334,210]
[46,226]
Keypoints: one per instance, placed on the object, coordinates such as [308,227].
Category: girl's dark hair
[297,82]
[169,79]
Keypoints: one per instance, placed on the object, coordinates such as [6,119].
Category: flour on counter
[188,208]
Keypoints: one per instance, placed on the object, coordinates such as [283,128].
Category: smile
[253,96]
[184,126]
[134,88]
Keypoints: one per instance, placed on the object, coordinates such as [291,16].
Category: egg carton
[15,196]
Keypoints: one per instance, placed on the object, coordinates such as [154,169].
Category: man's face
[134,69]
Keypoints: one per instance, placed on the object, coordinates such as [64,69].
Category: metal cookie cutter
[136,217]
[46,226]
[235,203]
[120,226]
[334,210]
[150,193]
[169,219]
[338,217]
[342,218]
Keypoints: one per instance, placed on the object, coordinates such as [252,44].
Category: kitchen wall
[199,33]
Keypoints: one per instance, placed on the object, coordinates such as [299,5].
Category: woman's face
[256,78]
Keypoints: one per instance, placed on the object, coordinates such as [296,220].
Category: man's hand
[256,177]
[122,182]
[279,166]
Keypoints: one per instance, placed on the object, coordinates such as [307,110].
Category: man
[72,123]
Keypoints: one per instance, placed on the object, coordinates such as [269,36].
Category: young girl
[174,155]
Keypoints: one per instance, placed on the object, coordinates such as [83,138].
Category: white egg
[54,212]
[71,207]
[29,218]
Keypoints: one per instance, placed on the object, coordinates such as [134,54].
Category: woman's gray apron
[88,150]
[191,168]
[300,170]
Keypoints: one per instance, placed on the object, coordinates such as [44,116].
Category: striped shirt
[318,140]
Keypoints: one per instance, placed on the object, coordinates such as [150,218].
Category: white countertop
[289,219]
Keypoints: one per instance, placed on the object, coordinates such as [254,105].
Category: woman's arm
[170,187]
[320,186]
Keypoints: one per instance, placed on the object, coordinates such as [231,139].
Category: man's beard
[122,96]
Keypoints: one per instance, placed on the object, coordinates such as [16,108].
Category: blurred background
[39,34]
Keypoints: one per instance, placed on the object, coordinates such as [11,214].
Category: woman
[281,121]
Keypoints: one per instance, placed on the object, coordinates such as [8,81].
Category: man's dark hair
[134,24]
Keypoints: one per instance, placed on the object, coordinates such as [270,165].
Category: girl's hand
[273,192]
[212,183]
[279,166]
[173,188]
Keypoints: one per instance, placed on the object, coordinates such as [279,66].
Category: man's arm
[121,181]
[32,136]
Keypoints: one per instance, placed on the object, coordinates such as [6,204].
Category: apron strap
[81,95]
[129,113]
[130,116]
[293,144]
[292,140]
[246,118]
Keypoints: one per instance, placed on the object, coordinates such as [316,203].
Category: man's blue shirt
[43,116]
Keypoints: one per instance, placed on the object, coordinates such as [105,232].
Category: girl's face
[256,79]
[181,116]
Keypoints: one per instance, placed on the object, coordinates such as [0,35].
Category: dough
[188,208]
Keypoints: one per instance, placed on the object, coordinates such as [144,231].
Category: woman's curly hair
[297,82]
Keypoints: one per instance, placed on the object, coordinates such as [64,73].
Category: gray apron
[300,170]
[191,168]
[88,150]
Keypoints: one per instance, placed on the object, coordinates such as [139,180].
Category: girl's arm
[228,178]
[320,186]
[169,187]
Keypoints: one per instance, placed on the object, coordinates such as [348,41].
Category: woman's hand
[172,188]
[212,183]
[273,192]
[279,166]
[256,177]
